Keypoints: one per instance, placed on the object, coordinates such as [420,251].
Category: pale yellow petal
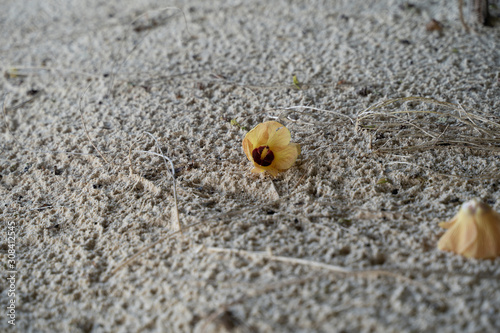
[272,171]
[488,240]
[269,169]
[460,237]
[474,232]
[448,224]
[297,146]
[284,158]
[248,148]
[272,126]
[279,136]
[258,170]
[275,136]
[258,136]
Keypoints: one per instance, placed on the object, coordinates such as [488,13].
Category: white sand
[360,199]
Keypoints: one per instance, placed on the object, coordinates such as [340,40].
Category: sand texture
[344,241]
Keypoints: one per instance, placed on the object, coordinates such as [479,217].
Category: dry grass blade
[445,123]
[269,256]
[23,103]
[118,67]
[493,175]
[299,107]
[85,128]
[461,13]
[146,248]
[4,114]
[310,263]
[294,261]
[175,210]
[219,313]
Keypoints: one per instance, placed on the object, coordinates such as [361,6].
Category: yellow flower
[268,146]
[474,232]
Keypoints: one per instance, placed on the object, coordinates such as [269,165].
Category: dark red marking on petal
[257,153]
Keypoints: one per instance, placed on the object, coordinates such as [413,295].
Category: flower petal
[258,170]
[460,237]
[474,232]
[272,126]
[248,148]
[259,135]
[284,158]
[273,138]
[279,135]
[448,224]
[272,171]
[488,240]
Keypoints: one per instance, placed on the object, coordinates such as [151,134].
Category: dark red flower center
[263,159]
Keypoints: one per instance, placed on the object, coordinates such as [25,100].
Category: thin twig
[296,261]
[131,165]
[315,264]
[177,225]
[223,308]
[231,213]
[117,68]
[294,108]
[7,125]
[20,104]
[85,127]
[461,14]
[269,256]
[487,126]
[480,10]
[144,249]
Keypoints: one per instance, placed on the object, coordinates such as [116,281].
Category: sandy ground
[84,82]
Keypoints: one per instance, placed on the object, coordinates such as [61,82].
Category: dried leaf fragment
[434,25]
